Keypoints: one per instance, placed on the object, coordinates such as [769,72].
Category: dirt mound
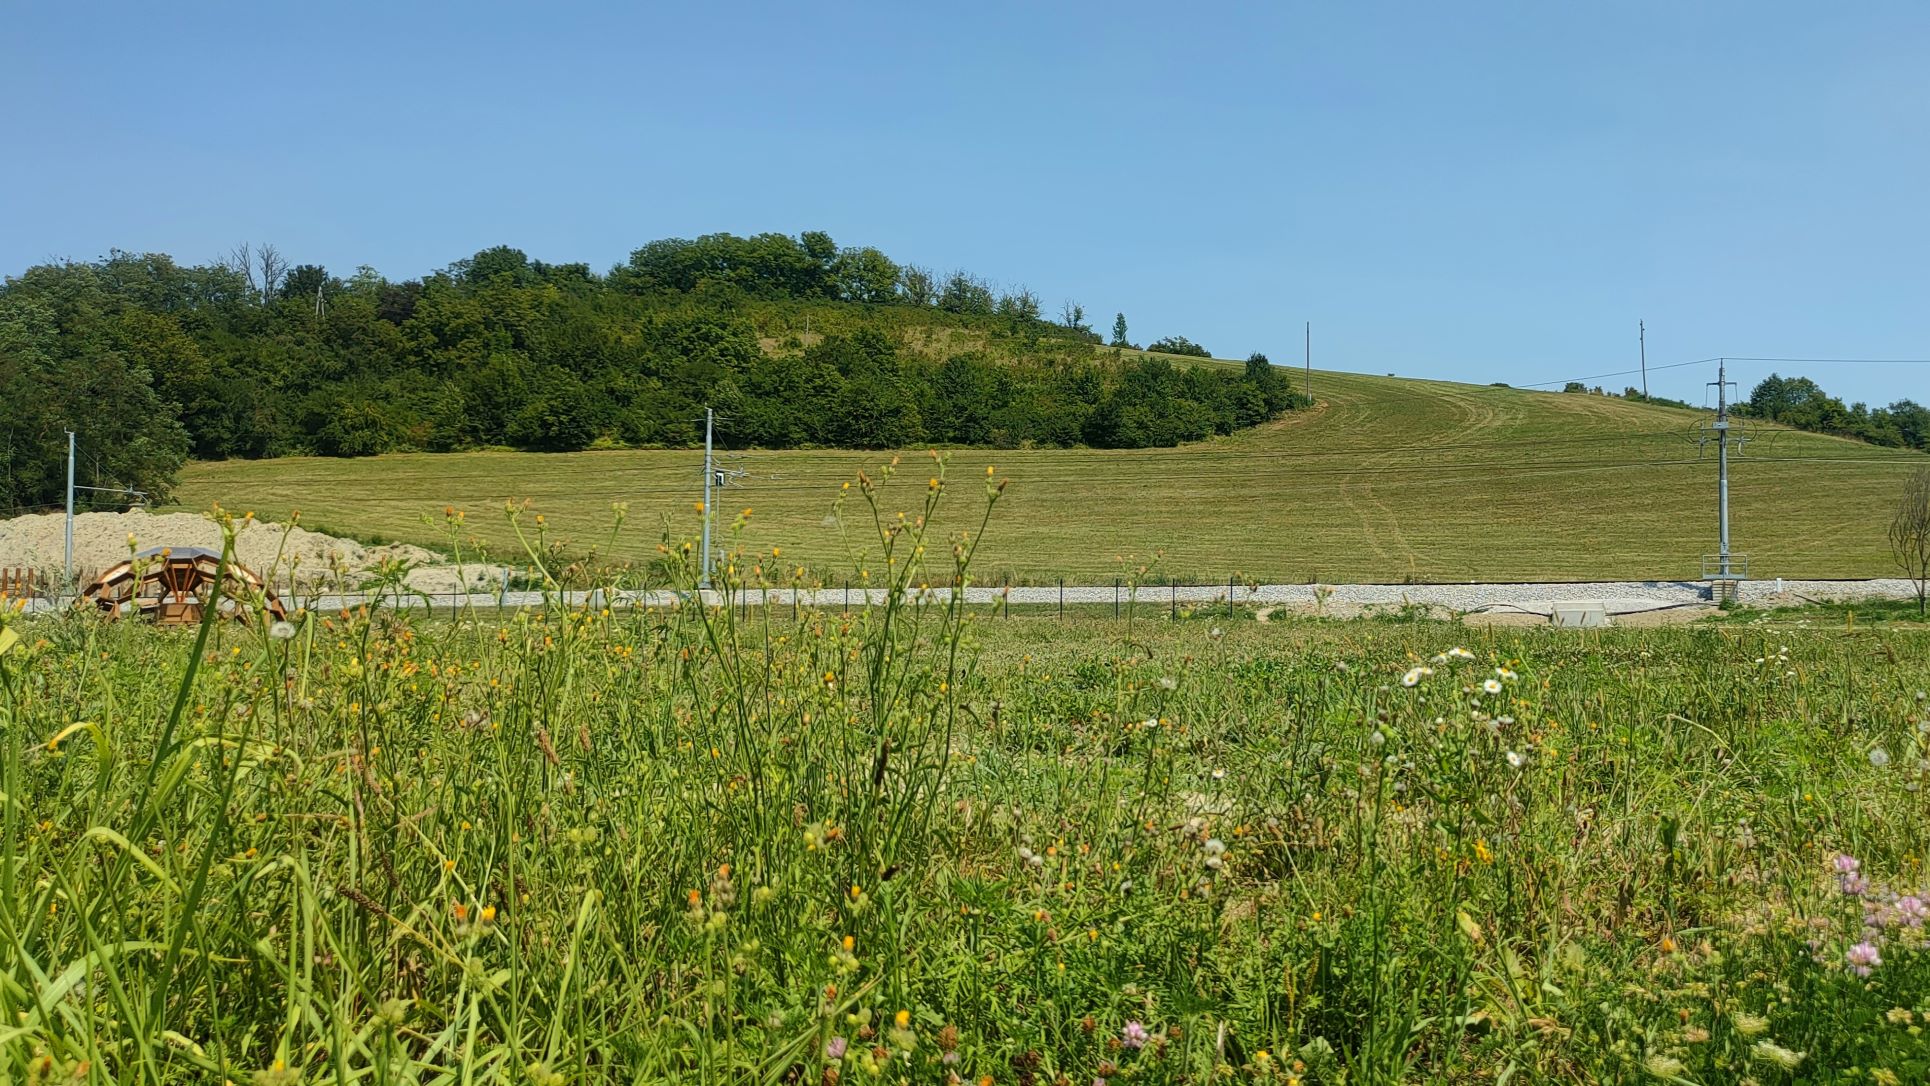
[276,552]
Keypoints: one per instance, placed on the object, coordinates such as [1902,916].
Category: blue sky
[1485,192]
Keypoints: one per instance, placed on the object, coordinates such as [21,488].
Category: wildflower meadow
[922,841]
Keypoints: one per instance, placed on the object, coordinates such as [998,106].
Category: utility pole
[703,580]
[67,581]
[1722,466]
[1309,363]
[1642,339]
[1727,568]
[127,492]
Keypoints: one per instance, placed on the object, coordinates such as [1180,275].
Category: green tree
[866,275]
[918,286]
[1119,330]
[61,369]
[1178,345]
[557,417]
[305,281]
[966,293]
[1073,316]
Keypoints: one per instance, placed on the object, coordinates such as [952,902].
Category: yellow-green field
[1385,480]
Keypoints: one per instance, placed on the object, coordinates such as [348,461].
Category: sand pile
[312,558]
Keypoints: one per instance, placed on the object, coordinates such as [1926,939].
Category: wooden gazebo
[172,586]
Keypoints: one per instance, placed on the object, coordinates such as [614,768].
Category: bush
[1178,345]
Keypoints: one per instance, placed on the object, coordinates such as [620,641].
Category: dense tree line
[795,340]
[1802,403]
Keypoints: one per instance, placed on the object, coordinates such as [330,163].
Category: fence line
[44,592]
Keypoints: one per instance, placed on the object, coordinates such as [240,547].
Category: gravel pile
[272,550]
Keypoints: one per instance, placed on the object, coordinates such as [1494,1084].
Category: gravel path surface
[1615,597]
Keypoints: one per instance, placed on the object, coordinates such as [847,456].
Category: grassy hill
[1386,479]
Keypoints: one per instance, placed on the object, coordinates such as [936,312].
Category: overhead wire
[1617,373]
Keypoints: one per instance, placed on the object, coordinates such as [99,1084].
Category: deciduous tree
[1910,533]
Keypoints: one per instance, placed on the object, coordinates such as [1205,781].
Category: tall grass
[904,843]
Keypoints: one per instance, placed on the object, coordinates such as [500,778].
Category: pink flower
[1134,1035]
[1913,910]
[834,1048]
[1848,877]
[1862,958]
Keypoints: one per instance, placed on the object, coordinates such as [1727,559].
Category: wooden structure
[172,586]
[20,582]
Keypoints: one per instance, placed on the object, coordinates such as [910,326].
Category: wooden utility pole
[1642,339]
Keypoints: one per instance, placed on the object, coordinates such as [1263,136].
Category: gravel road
[1616,597]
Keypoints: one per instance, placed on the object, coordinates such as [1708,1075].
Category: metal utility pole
[1642,339]
[1722,466]
[703,580]
[68,580]
[1725,567]
[127,492]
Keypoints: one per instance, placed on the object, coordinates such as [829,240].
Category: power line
[1844,361]
[1418,473]
[1617,373]
[1732,358]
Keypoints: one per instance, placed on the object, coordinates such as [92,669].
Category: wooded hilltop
[795,341]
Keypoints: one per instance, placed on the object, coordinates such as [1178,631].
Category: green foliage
[77,354]
[1802,403]
[801,342]
[153,361]
[1636,394]
[965,293]
[1178,345]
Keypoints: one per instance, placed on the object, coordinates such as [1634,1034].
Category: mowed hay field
[1384,480]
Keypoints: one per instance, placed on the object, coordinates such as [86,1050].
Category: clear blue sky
[1473,191]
